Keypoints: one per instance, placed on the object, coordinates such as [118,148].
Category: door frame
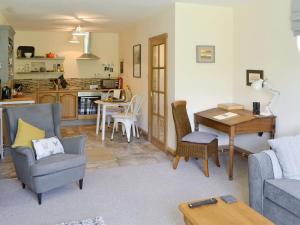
[150,62]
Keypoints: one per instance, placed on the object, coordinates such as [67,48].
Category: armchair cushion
[56,163]
[26,133]
[47,146]
[74,145]
[285,193]
[199,137]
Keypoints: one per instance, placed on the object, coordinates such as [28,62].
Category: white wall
[203,86]
[264,40]
[140,34]
[104,45]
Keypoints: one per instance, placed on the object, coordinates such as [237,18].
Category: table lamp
[263,84]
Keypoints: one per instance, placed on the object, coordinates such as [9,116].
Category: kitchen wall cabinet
[69,103]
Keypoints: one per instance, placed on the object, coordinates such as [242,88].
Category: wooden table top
[243,116]
[221,213]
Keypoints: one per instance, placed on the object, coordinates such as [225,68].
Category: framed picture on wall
[254,75]
[137,60]
[205,54]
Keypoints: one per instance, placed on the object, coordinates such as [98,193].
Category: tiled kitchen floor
[104,155]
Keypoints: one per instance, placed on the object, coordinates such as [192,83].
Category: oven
[86,102]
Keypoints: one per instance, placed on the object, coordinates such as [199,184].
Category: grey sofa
[277,199]
[53,171]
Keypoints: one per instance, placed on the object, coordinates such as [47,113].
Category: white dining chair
[129,118]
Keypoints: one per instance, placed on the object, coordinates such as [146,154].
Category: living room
[191,56]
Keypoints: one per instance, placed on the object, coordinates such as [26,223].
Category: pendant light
[74,40]
[78,31]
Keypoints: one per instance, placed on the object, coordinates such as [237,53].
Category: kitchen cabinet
[47,97]
[69,103]
[67,99]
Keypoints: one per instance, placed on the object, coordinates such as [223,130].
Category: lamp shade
[74,40]
[78,32]
[258,84]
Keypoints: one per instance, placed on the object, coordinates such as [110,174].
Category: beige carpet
[133,195]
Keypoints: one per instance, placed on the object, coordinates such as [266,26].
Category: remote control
[204,202]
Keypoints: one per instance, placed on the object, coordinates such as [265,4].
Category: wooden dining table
[245,122]
[104,105]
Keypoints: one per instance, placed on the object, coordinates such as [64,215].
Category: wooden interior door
[157,115]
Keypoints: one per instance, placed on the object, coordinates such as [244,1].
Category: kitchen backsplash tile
[31,85]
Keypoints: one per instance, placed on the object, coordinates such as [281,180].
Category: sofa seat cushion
[285,193]
[56,163]
[199,137]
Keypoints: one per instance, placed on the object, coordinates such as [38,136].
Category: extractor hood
[87,54]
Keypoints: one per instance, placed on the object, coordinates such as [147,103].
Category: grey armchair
[53,171]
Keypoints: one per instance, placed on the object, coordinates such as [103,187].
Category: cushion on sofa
[285,193]
[287,150]
[199,137]
[56,163]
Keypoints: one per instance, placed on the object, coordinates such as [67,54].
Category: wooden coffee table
[221,213]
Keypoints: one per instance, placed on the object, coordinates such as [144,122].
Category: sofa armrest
[26,154]
[23,158]
[260,169]
[74,145]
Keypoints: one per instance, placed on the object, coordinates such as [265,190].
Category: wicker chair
[192,144]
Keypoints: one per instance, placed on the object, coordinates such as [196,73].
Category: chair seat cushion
[125,116]
[199,137]
[56,163]
[285,193]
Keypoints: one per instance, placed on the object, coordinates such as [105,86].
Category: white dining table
[104,105]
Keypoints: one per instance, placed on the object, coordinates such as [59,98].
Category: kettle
[6,92]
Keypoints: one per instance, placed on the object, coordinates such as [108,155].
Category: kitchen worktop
[26,99]
[69,90]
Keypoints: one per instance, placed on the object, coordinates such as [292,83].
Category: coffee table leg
[231,153]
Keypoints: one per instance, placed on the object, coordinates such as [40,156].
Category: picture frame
[205,54]
[121,67]
[253,75]
[137,60]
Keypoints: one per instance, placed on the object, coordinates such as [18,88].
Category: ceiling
[92,15]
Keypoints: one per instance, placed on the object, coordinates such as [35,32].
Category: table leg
[272,133]
[196,125]
[98,119]
[103,121]
[231,153]
[1,134]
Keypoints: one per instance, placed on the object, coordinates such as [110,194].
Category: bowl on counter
[28,54]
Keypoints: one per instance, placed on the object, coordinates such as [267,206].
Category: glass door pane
[162,55]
